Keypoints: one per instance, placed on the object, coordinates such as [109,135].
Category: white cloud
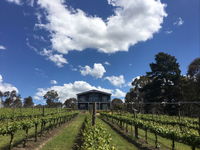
[2,47]
[119,94]
[53,82]
[6,86]
[18,2]
[1,78]
[71,29]
[97,71]
[116,80]
[169,32]
[71,89]
[107,63]
[58,59]
[179,21]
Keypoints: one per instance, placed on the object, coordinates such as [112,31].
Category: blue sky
[72,45]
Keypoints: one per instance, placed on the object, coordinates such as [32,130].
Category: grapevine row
[95,137]
[186,138]
[162,119]
[10,128]
[23,113]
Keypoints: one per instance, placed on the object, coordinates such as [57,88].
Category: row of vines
[39,124]
[95,137]
[183,131]
[7,114]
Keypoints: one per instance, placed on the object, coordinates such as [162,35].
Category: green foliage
[173,132]
[9,126]
[70,103]
[95,137]
[117,104]
[12,99]
[28,102]
[52,99]
[164,77]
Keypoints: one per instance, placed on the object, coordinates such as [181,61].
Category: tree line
[164,88]
[11,99]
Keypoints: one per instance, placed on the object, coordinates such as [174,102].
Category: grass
[164,143]
[65,139]
[18,137]
[118,141]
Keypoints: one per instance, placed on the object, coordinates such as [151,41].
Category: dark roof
[94,91]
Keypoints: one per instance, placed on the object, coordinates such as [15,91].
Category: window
[104,99]
[82,98]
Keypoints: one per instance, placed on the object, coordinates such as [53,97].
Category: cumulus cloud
[6,86]
[71,89]
[118,93]
[53,82]
[71,29]
[97,71]
[2,47]
[179,22]
[116,80]
[18,2]
[58,59]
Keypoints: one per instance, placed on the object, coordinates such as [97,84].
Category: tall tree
[117,104]
[12,99]
[28,102]
[52,98]
[70,103]
[135,97]
[1,99]
[164,82]
[17,103]
[194,76]
[194,69]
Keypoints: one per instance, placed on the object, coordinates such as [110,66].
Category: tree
[194,69]
[17,103]
[117,104]
[70,103]
[28,102]
[52,98]
[194,76]
[1,99]
[135,96]
[12,99]
[164,83]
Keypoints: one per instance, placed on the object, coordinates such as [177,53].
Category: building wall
[85,101]
[94,97]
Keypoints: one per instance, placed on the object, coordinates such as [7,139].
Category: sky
[73,46]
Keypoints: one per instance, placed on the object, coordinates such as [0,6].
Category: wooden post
[43,111]
[156,140]
[146,137]
[199,125]
[94,114]
[173,144]
[136,131]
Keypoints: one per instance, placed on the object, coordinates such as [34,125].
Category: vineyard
[15,121]
[145,131]
[184,130]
